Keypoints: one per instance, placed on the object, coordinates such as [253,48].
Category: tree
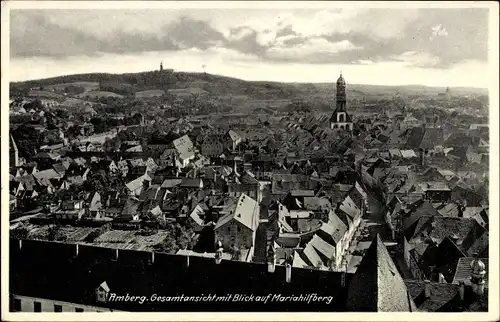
[168,245]
[28,140]
[20,232]
[112,144]
[55,234]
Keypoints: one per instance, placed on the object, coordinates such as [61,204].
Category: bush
[20,232]
[96,233]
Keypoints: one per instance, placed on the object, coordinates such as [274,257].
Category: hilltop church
[340,119]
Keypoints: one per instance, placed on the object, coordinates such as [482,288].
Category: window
[17,305]
[57,308]
[228,229]
[37,306]
[239,229]
[78,309]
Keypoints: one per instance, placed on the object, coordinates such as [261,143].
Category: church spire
[341,96]
[161,66]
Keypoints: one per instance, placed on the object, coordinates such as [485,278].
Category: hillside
[150,82]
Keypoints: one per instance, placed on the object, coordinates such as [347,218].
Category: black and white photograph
[245,157]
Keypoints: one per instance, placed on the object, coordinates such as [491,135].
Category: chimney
[288,273]
[427,288]
[422,157]
[461,290]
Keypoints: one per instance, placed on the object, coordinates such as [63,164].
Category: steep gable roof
[322,246]
[377,285]
[245,212]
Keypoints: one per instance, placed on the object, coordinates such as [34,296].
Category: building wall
[346,126]
[202,275]
[252,190]
[27,304]
[212,149]
[234,233]
[435,195]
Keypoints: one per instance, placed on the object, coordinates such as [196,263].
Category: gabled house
[437,191]
[129,212]
[212,146]
[237,227]
[197,218]
[185,150]
[136,186]
[94,205]
[70,210]
[231,140]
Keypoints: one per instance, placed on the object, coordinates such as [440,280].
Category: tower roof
[377,285]
[341,80]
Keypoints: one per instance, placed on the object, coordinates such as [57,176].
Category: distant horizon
[433,47]
[246,80]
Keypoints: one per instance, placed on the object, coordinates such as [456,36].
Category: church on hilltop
[340,119]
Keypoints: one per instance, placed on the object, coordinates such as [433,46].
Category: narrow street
[374,220]
[372,223]
[262,230]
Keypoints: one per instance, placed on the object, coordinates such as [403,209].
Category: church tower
[340,96]
[340,119]
[161,66]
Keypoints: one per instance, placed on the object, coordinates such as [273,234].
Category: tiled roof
[312,256]
[431,138]
[323,247]
[435,186]
[335,228]
[377,285]
[450,210]
[415,137]
[233,135]
[407,154]
[245,212]
[349,207]
[438,227]
[170,183]
[316,203]
[298,261]
[46,175]
[441,294]
[464,270]
[137,183]
[191,183]
[302,193]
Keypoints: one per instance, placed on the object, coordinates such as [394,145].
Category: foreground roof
[377,285]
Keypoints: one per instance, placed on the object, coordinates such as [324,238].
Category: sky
[434,47]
